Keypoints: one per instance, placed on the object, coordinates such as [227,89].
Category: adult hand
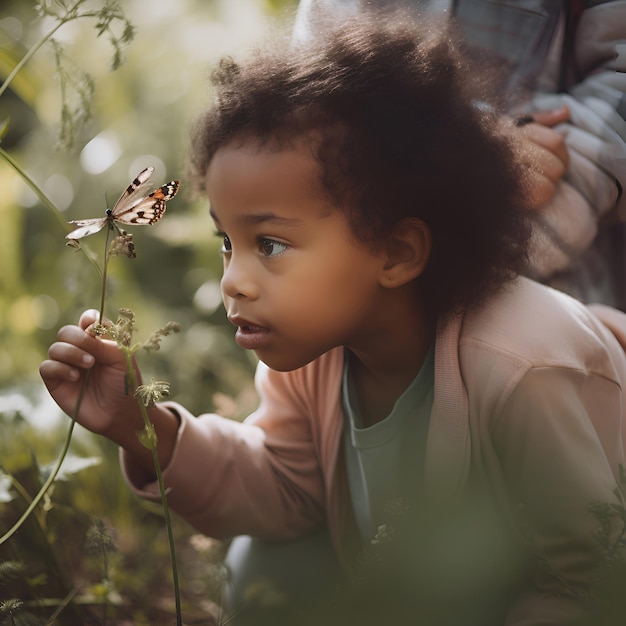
[613,319]
[547,152]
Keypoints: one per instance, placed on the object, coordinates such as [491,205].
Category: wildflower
[124,327]
[100,330]
[99,538]
[123,244]
[154,341]
[9,607]
[150,394]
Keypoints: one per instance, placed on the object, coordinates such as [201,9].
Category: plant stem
[28,55]
[132,378]
[40,517]
[47,203]
[60,606]
[33,185]
[105,267]
[69,16]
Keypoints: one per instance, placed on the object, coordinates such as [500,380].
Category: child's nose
[237,280]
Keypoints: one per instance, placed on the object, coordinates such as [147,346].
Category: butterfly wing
[150,209]
[134,193]
[86,227]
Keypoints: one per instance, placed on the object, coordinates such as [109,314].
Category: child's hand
[105,408]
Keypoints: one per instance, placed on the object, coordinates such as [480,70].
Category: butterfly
[133,207]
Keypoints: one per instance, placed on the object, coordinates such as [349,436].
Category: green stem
[40,517]
[104,275]
[48,204]
[60,605]
[69,16]
[17,485]
[33,185]
[132,378]
[28,56]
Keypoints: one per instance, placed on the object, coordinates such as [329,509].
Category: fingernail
[88,359]
[522,120]
[73,374]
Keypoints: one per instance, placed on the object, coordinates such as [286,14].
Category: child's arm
[77,358]
[222,476]
[265,476]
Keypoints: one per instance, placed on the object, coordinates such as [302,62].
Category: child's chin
[282,364]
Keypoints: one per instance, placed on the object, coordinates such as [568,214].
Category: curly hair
[391,110]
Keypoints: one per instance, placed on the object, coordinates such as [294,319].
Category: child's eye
[271,247]
[226,245]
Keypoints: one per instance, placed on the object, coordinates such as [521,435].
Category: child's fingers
[105,352]
[89,317]
[70,353]
[54,372]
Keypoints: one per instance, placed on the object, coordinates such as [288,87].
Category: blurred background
[81,131]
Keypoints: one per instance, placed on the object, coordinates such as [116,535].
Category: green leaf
[11,570]
[72,465]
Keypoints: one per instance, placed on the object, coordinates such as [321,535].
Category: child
[404,366]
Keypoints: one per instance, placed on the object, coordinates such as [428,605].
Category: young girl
[406,373]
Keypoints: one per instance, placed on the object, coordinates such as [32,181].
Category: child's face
[296,283]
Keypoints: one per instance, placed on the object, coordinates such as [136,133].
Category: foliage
[92,544]
[139,115]
[91,552]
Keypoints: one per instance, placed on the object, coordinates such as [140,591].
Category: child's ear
[406,252]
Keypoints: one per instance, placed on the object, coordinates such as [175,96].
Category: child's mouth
[251,337]
[251,329]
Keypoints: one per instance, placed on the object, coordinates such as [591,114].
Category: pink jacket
[529,395]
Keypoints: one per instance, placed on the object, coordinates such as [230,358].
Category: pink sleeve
[260,477]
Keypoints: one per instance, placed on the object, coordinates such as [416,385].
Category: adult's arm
[595,136]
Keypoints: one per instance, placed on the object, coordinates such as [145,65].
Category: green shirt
[385,462]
